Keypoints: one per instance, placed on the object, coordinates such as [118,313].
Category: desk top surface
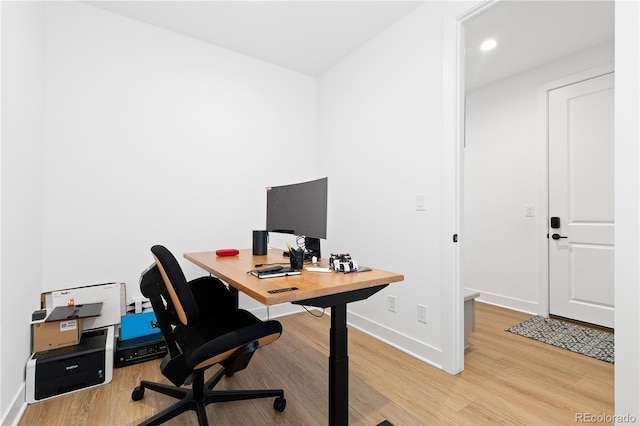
[234,270]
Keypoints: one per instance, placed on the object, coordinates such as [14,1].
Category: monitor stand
[313,247]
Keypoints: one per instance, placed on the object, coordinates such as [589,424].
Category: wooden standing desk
[319,289]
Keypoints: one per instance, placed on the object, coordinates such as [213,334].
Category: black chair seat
[217,335]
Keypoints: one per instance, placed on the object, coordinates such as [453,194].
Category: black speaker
[260,240]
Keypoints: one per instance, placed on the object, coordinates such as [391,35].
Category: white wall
[380,124]
[21,191]
[109,85]
[156,138]
[502,169]
[627,211]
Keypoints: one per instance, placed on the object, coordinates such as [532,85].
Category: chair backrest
[152,287]
[180,295]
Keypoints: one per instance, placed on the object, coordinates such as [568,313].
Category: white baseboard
[406,344]
[16,410]
[508,302]
[409,345]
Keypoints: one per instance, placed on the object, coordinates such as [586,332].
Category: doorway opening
[505,202]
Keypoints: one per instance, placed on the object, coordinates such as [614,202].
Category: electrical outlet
[391,303]
[422,314]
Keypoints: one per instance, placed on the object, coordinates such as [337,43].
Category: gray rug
[586,341]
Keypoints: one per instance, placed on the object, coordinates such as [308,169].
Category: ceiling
[532,33]
[305,36]
[312,36]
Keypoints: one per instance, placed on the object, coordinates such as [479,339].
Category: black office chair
[201,326]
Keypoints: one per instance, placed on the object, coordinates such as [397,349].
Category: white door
[581,249]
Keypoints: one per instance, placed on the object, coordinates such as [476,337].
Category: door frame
[452,209]
[542,150]
[627,133]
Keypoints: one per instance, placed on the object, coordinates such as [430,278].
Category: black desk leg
[338,368]
[234,296]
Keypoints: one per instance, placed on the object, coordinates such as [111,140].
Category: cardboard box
[55,334]
[113,296]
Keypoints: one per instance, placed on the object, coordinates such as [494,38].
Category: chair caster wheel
[279,404]
[137,393]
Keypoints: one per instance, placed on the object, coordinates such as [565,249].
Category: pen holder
[296,259]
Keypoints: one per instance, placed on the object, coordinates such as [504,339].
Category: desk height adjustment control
[282,290]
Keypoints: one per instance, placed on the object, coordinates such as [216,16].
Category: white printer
[60,371]
[89,363]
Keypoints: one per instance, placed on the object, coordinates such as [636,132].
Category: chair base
[200,395]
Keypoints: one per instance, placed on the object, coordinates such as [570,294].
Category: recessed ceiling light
[488,45]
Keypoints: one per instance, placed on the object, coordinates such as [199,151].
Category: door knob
[557,236]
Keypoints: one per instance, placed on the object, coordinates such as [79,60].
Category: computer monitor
[299,209]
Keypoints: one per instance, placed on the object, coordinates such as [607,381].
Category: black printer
[60,371]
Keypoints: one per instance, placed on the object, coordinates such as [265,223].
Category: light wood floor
[507,380]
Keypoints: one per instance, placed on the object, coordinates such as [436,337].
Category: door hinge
[455,238]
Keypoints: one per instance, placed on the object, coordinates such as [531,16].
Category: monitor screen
[299,209]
